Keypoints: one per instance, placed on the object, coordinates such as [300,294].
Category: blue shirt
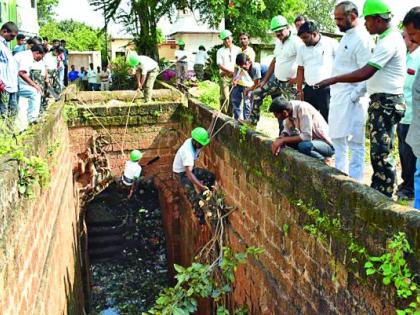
[8,67]
[18,48]
[73,75]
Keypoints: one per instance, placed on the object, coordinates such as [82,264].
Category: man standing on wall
[225,59]
[315,61]
[283,65]
[411,23]
[8,69]
[195,180]
[181,57]
[385,73]
[348,106]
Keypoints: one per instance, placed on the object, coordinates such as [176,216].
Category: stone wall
[40,270]
[298,272]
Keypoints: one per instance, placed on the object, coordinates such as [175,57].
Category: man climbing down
[195,180]
[132,171]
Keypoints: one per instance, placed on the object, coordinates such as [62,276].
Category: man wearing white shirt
[315,62]
[200,61]
[283,66]
[146,74]
[348,106]
[385,75]
[181,57]
[8,68]
[27,61]
[225,59]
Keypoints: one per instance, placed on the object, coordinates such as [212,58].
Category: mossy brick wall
[39,262]
[128,125]
[297,274]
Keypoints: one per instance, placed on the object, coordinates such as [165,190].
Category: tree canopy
[77,35]
[45,10]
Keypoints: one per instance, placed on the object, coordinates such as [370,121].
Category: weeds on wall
[212,274]
[32,170]
[391,266]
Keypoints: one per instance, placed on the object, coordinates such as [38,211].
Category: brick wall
[39,262]
[297,274]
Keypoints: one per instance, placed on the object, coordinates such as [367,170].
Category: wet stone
[127,251]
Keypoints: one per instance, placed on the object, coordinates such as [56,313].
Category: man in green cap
[132,171]
[195,180]
[181,57]
[283,66]
[385,75]
[225,59]
[147,71]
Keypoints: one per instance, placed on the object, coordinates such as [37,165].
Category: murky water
[127,251]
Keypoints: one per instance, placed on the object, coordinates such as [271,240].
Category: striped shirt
[8,67]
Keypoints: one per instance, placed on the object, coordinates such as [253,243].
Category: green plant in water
[394,269]
[286,229]
[200,280]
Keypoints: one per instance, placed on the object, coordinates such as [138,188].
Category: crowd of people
[324,91]
[34,71]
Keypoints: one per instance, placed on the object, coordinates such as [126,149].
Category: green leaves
[395,270]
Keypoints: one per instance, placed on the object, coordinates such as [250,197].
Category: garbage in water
[127,251]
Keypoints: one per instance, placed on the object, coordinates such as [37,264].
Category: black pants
[408,159]
[318,98]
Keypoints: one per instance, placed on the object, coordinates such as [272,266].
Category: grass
[209,94]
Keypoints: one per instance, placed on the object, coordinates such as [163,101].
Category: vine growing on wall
[32,170]
[391,266]
[212,274]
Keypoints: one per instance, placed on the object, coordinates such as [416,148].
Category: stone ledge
[368,214]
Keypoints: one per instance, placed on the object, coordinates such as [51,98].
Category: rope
[126,122]
[214,119]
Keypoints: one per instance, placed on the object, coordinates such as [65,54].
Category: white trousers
[357,157]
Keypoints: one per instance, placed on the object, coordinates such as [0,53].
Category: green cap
[180,42]
[376,7]
[133,59]
[225,34]
[278,23]
[135,155]
[200,135]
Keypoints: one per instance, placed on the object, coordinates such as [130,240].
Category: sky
[81,11]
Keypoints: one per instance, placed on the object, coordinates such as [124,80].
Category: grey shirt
[413,136]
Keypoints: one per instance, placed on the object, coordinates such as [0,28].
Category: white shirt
[132,170]
[179,54]
[41,66]
[285,54]
[8,67]
[26,62]
[348,104]
[227,57]
[389,57]
[201,57]
[250,52]
[91,74]
[51,61]
[147,64]
[317,60]
[185,156]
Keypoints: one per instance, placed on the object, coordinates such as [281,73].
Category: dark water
[127,251]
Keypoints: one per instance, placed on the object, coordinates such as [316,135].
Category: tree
[77,35]
[45,10]
[140,19]
[254,16]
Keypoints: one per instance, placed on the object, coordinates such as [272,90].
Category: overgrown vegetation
[391,266]
[212,274]
[209,94]
[32,170]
